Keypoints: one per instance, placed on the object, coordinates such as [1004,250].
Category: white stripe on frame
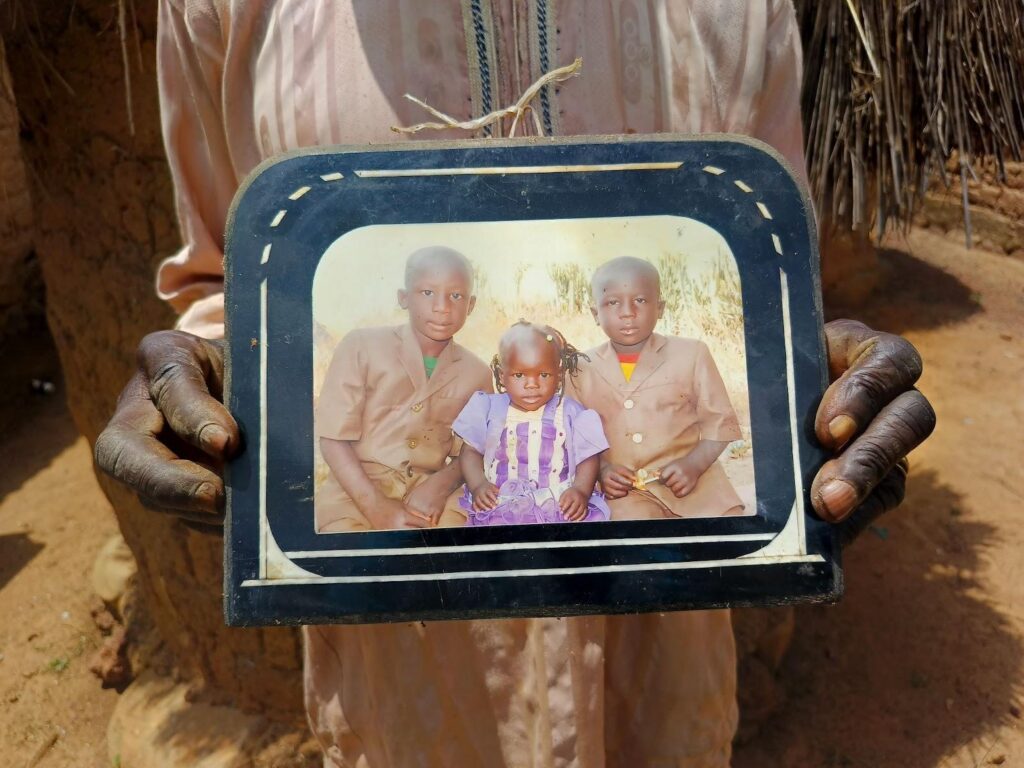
[791,386]
[500,170]
[533,572]
[582,544]
[264,523]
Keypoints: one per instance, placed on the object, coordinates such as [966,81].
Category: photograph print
[516,373]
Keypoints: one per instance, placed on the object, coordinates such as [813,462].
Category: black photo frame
[279,570]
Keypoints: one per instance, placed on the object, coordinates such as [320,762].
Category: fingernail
[842,428]
[207,492]
[214,438]
[838,497]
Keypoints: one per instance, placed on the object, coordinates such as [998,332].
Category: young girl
[531,455]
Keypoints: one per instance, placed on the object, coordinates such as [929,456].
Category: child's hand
[680,477]
[387,515]
[485,496]
[616,480]
[427,499]
[573,504]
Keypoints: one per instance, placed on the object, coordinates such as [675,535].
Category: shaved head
[437,258]
[623,269]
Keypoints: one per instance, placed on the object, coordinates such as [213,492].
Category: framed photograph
[531,377]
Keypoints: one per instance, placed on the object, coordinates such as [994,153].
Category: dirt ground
[921,665]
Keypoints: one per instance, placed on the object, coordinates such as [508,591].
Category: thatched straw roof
[892,88]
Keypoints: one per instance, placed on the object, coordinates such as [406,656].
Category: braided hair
[568,355]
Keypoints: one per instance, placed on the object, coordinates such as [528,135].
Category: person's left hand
[427,499]
[871,416]
[680,477]
[573,503]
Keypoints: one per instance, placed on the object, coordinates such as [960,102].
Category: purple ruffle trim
[520,502]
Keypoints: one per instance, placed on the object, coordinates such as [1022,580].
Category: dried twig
[516,111]
[122,28]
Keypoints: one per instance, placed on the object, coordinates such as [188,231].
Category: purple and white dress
[531,456]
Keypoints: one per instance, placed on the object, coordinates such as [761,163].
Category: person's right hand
[388,515]
[616,480]
[170,432]
[485,496]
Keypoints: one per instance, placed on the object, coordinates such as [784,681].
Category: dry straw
[893,89]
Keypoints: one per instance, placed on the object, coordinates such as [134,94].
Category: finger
[147,466]
[415,521]
[185,375]
[845,482]
[203,527]
[869,369]
[622,481]
[886,496]
[410,510]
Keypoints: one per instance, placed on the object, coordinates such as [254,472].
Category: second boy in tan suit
[664,407]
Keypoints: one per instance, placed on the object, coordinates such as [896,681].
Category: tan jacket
[376,395]
[674,399]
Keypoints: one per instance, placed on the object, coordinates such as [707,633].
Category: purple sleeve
[471,423]
[586,431]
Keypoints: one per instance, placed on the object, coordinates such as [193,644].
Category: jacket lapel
[412,358]
[608,367]
[447,369]
[652,357]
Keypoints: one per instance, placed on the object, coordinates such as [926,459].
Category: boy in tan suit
[665,409]
[388,402]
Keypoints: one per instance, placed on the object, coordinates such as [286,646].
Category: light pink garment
[241,81]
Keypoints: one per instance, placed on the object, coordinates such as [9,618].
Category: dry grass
[893,87]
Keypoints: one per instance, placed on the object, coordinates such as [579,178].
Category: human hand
[387,514]
[428,499]
[680,477]
[170,432]
[485,496]
[573,503]
[871,417]
[616,480]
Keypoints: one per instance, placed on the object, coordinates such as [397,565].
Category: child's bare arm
[382,512]
[681,476]
[586,474]
[485,494]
